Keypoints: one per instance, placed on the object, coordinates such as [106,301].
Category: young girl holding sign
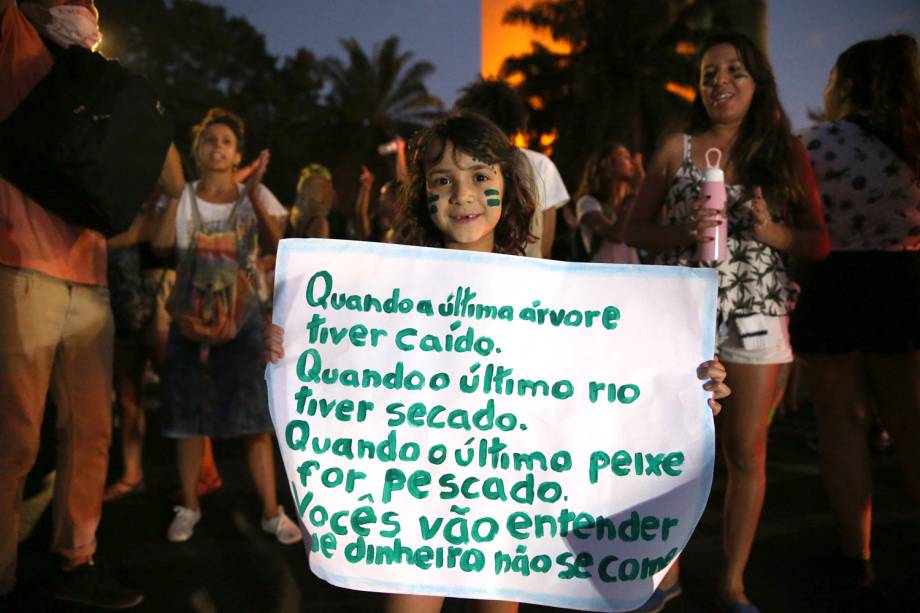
[773,207]
[469,188]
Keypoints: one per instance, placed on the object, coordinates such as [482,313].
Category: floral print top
[753,278]
[870,197]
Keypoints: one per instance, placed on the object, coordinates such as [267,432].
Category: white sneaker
[183,524]
[285,530]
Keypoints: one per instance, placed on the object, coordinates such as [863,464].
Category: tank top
[753,278]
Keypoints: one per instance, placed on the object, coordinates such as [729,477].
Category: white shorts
[755,339]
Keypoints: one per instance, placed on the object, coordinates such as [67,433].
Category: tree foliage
[612,85]
[372,98]
[302,108]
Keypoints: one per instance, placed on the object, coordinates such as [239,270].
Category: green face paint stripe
[493,202]
[433,209]
[491,192]
[433,198]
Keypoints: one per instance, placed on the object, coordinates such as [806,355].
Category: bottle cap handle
[709,164]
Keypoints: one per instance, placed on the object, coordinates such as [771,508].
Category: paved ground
[231,565]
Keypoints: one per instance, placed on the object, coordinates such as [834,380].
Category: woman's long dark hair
[762,154]
[479,138]
[884,79]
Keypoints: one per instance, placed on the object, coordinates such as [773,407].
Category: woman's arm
[402,168]
[602,226]
[269,232]
[172,179]
[133,235]
[361,220]
[807,236]
[163,232]
[642,229]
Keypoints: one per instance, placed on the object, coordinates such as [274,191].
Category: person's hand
[273,343]
[366,179]
[766,230]
[241,174]
[713,373]
[702,217]
[255,171]
[638,171]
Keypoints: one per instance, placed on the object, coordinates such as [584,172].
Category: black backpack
[88,143]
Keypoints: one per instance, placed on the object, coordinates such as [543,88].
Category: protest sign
[492,426]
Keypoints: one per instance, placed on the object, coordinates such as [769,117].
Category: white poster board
[490,426]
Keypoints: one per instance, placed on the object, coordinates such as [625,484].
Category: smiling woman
[773,207]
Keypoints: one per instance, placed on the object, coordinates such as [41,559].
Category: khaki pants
[55,337]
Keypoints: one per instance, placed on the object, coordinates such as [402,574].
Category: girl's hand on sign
[713,372]
[273,343]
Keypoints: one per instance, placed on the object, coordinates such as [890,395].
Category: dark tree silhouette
[613,84]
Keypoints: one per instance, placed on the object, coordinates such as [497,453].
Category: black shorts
[858,301]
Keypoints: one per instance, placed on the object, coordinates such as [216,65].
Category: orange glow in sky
[501,41]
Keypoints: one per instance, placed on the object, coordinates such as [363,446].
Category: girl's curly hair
[226,118]
[479,138]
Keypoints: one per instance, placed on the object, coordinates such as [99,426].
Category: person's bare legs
[261,461]
[208,477]
[838,385]
[189,450]
[782,383]
[745,420]
[158,339]
[129,364]
[896,388]
[413,603]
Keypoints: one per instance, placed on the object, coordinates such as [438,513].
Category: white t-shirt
[551,194]
[551,191]
[215,214]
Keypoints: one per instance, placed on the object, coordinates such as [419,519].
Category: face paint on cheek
[433,208]
[493,197]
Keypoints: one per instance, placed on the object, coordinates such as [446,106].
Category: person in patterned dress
[857,328]
[773,209]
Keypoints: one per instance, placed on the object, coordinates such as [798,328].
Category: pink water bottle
[714,192]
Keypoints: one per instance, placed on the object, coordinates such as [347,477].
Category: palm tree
[384,92]
[371,99]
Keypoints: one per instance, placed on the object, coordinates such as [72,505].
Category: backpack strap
[197,223]
[236,206]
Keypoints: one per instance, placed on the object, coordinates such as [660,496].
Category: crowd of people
[822,268]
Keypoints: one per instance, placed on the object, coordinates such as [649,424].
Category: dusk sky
[805,37]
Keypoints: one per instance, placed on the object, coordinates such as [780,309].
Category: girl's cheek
[433,203]
[493,197]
